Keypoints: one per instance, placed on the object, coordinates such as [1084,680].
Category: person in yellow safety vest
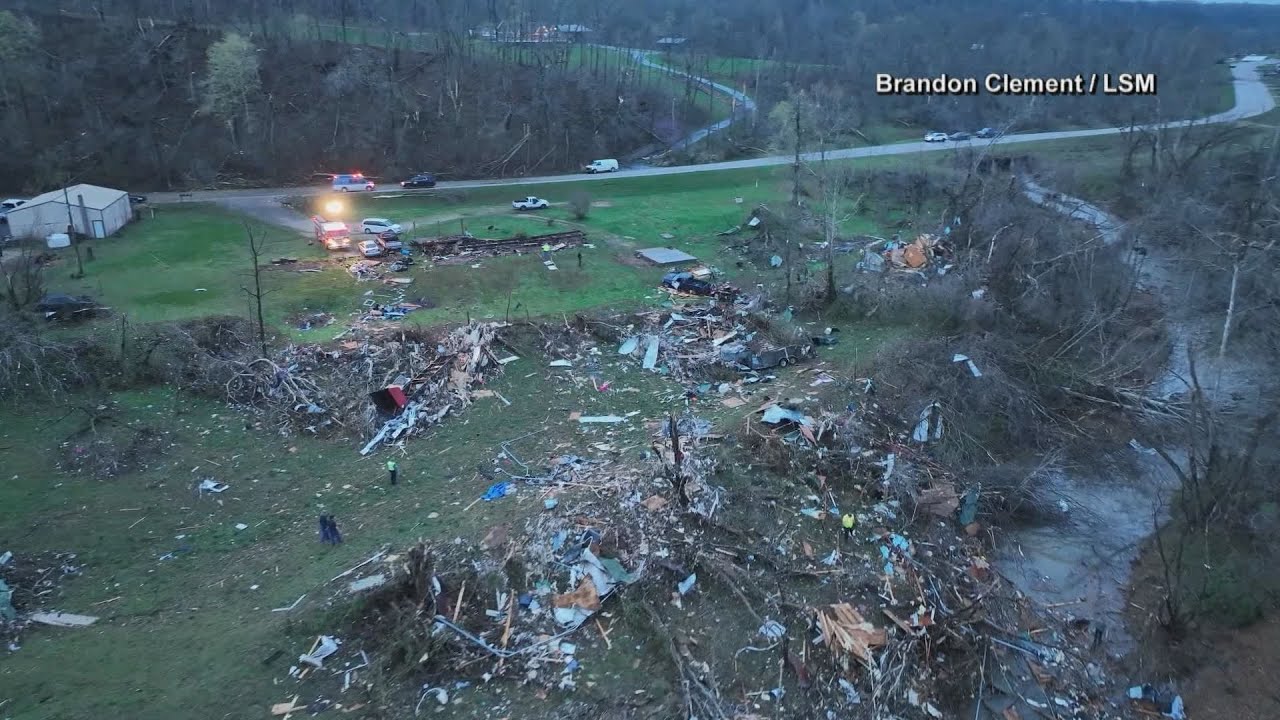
[391,470]
[546,251]
[848,522]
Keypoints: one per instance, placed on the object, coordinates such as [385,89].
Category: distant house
[95,212]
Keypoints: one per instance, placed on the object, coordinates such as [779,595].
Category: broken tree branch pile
[373,387]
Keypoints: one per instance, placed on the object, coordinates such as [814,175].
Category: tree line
[164,104]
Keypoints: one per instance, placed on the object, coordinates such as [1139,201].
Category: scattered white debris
[772,629]
[684,586]
[368,583]
[328,645]
[965,359]
[63,619]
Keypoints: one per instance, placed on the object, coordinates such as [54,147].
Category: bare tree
[256,246]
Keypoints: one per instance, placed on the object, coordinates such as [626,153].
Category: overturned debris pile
[457,249]
[686,343]
[385,389]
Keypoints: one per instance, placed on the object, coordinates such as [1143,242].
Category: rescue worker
[391,470]
[847,522]
[546,252]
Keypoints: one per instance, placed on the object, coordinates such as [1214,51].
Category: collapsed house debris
[384,390]
[459,249]
[925,251]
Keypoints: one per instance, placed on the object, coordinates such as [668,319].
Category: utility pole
[71,231]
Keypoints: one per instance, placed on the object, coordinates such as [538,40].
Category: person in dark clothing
[325,536]
[332,529]
[579,261]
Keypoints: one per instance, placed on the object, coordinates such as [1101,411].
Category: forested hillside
[121,90]
[145,104]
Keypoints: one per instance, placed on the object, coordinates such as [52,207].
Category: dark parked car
[686,282]
[421,180]
[985,133]
[780,357]
[137,199]
[955,136]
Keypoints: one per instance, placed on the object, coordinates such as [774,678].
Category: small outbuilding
[95,211]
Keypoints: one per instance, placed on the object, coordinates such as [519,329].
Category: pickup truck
[530,203]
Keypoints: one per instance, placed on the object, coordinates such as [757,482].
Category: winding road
[1252,98]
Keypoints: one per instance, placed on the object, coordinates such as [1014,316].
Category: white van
[599,166]
[347,183]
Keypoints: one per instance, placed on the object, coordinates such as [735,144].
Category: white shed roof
[95,197]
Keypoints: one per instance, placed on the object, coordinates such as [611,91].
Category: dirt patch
[106,449]
[36,583]
[1236,680]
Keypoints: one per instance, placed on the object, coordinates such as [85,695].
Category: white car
[530,203]
[10,204]
[935,137]
[379,225]
[370,248]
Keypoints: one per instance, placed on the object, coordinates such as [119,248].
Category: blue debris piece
[497,491]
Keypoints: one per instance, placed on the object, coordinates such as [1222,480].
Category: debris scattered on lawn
[6,602]
[62,619]
[290,607]
[368,583]
[601,419]
[973,369]
[684,586]
[325,646]
[212,486]
[845,630]
[498,491]
[929,426]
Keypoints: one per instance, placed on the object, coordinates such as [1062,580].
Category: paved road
[1252,99]
[744,104]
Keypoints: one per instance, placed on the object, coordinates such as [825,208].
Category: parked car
[779,357]
[958,136]
[686,282]
[137,199]
[355,181]
[599,166]
[530,203]
[421,180]
[373,226]
[369,248]
[935,137]
[389,241]
[985,133]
